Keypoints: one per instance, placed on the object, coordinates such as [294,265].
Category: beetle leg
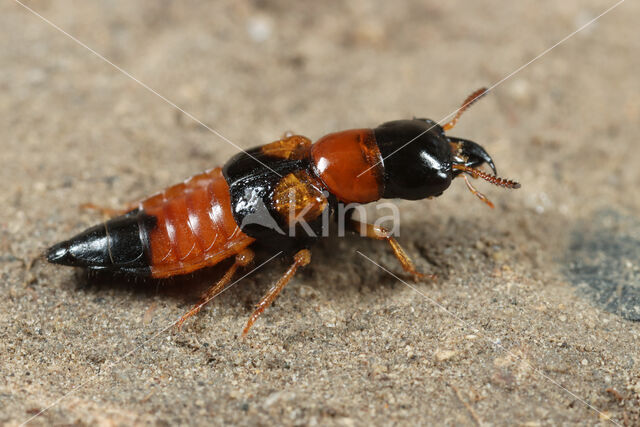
[380,233]
[109,212]
[242,259]
[300,259]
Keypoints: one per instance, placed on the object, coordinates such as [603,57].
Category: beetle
[222,212]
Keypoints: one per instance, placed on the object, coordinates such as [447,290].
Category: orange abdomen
[194,225]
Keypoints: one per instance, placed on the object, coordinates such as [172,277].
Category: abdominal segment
[182,229]
[194,227]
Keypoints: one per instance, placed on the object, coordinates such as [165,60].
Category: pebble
[443,355]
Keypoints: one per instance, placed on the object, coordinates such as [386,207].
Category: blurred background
[546,284]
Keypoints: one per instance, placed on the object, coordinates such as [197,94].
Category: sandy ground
[532,319]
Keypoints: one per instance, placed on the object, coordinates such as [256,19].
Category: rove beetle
[220,213]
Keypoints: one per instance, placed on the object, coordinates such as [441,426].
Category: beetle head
[420,160]
[417,159]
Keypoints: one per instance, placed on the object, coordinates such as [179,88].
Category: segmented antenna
[495,180]
[466,104]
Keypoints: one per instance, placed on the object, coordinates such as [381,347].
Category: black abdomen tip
[117,245]
[59,254]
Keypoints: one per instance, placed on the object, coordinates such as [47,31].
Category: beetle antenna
[466,104]
[495,180]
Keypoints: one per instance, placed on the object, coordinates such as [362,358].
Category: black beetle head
[417,159]
[420,161]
